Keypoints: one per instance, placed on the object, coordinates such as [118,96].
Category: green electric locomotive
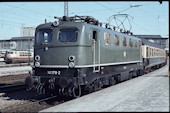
[78,55]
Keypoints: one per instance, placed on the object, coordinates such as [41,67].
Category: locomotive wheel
[88,89]
[112,81]
[141,72]
[130,75]
[118,78]
[97,85]
[76,91]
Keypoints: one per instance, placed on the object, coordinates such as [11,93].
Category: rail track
[27,100]
[12,87]
[35,105]
[3,65]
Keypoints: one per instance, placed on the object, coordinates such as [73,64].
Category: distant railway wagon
[76,55]
[18,56]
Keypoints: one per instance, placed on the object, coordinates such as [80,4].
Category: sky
[144,18]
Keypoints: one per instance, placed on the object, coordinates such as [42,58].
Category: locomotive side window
[116,38]
[68,35]
[44,35]
[130,42]
[107,38]
[124,41]
[136,44]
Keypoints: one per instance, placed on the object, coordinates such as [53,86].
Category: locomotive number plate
[53,72]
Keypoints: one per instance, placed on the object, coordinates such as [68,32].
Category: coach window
[124,41]
[150,51]
[157,52]
[160,53]
[147,51]
[153,52]
[116,38]
[68,35]
[44,35]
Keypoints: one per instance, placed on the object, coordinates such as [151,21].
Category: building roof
[150,36]
[22,38]
[4,40]
[146,42]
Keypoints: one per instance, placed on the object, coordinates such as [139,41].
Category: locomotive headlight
[71,58]
[37,58]
[71,64]
[37,64]
[55,24]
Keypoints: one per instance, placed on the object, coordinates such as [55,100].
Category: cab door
[96,50]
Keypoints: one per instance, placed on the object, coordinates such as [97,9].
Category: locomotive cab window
[68,35]
[44,35]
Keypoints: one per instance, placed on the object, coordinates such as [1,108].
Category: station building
[18,43]
[24,42]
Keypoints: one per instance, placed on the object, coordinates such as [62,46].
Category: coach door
[96,50]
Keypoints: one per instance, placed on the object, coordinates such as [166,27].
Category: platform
[14,70]
[149,92]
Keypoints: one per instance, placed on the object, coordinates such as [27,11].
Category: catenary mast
[66,9]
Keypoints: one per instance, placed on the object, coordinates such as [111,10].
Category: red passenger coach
[18,57]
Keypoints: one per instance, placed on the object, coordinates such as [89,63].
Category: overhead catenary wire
[5,11]
[105,7]
[42,14]
[131,6]
[142,27]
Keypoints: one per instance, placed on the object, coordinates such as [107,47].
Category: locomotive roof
[88,20]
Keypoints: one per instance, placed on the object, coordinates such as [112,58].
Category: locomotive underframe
[71,78]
